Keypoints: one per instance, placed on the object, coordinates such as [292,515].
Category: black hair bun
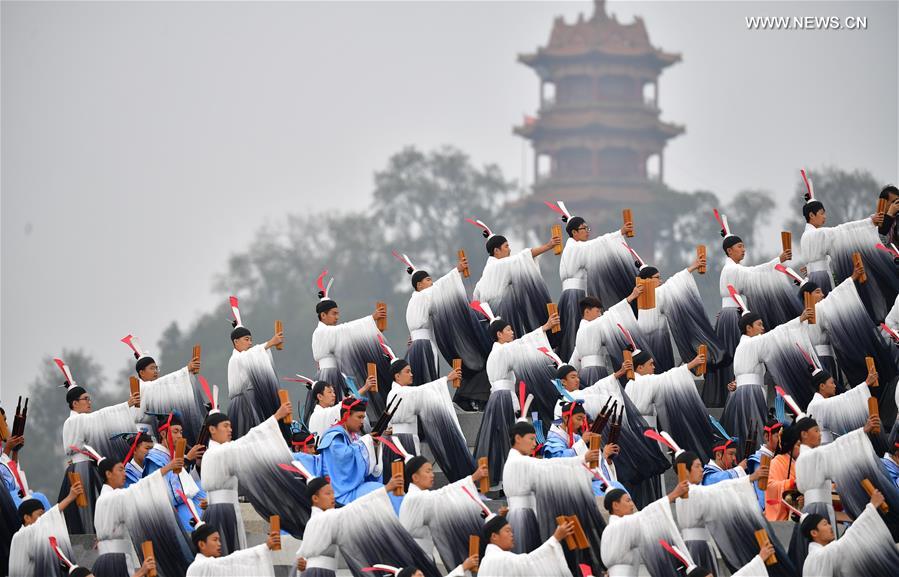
[723,233]
[637,263]
[796,282]
[486,234]
[564,218]
[811,369]
[136,356]
[409,270]
[321,294]
[234,324]
[807,196]
[630,348]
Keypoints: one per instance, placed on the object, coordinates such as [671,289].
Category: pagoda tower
[598,140]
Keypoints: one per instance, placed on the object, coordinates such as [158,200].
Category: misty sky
[143,143]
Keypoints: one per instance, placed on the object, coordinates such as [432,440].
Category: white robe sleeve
[755,568]
[846,555]
[548,560]
[256,561]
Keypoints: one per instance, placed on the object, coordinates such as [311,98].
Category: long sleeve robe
[548,560]
[256,561]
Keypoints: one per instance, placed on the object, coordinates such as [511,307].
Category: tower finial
[599,9]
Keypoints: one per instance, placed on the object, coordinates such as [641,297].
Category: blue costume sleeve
[313,463]
[711,476]
[9,484]
[556,447]
[132,476]
[347,463]
[892,470]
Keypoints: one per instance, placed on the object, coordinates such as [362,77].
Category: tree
[420,203]
[42,456]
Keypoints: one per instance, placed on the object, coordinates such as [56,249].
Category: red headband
[723,447]
[167,427]
[773,427]
[305,442]
[346,407]
[132,449]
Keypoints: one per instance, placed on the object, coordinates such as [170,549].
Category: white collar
[491,548]
[106,489]
[413,488]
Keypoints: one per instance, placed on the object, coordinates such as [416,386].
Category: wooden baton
[284,396]
[761,537]
[474,548]
[134,384]
[869,488]
[74,479]
[595,440]
[373,372]
[179,453]
[485,481]
[628,218]
[629,356]
[701,254]
[557,231]
[197,352]
[763,481]
[147,549]
[274,523]
[398,468]
[786,240]
[457,366]
[810,304]
[552,309]
[704,351]
[682,476]
[279,328]
[857,262]
[382,323]
[874,411]
[465,272]
[571,540]
[869,362]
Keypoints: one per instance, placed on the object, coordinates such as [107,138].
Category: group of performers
[585,405]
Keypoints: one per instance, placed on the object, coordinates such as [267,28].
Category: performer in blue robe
[303,450]
[349,457]
[562,441]
[891,460]
[773,432]
[169,431]
[13,476]
[722,466]
[137,457]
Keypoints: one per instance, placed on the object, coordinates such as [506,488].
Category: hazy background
[144,143]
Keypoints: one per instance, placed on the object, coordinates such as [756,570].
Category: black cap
[809,524]
[564,371]
[412,466]
[419,276]
[73,393]
[748,320]
[239,333]
[315,485]
[612,497]
[324,306]
[202,533]
[28,507]
[730,241]
[495,242]
[143,362]
[574,223]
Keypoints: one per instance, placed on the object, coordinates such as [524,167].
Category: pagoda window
[620,163]
[614,88]
[575,90]
[574,163]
